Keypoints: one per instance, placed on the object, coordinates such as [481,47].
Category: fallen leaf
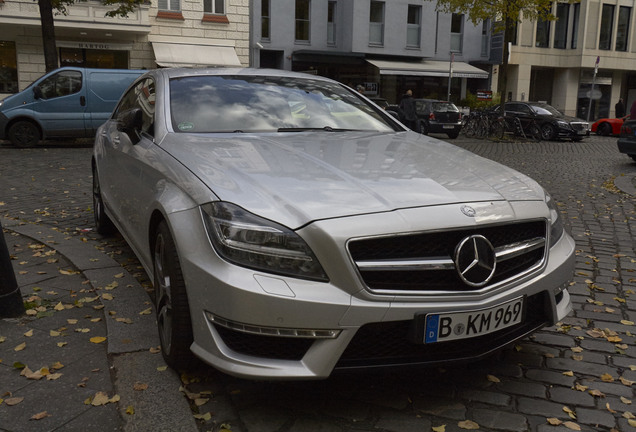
[572,426]
[207,417]
[53,376]
[130,410]
[162,368]
[13,401]
[97,339]
[607,378]
[627,322]
[626,382]
[554,421]
[577,349]
[628,415]
[597,393]
[468,424]
[20,347]
[71,321]
[107,296]
[61,344]
[54,333]
[493,378]
[140,386]
[2,339]
[146,311]
[568,373]
[29,333]
[631,422]
[100,398]
[59,307]
[40,415]
[626,401]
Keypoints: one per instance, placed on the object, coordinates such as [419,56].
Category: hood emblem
[468,211]
[475,260]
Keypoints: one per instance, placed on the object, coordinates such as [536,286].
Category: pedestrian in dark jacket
[620,108]
[407,105]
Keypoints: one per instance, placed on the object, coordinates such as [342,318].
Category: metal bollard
[11,304]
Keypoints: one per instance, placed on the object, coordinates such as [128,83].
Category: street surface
[578,375]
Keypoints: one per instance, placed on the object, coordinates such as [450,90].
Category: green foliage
[478,11]
[121,7]
[473,103]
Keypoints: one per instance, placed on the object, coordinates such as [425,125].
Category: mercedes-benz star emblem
[468,211]
[475,260]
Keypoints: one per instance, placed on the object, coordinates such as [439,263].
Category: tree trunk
[48,34]
[502,82]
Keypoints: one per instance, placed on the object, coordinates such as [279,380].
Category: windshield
[545,109]
[444,107]
[265,104]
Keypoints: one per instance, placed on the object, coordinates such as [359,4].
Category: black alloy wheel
[604,129]
[548,132]
[24,134]
[171,301]
[103,224]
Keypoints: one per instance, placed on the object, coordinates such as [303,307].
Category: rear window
[444,107]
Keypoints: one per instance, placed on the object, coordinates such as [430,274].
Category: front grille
[579,126]
[386,263]
[393,343]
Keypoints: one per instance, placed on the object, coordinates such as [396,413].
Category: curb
[626,183]
[128,343]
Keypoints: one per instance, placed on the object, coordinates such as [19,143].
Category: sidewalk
[85,356]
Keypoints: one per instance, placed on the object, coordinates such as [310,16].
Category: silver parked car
[292,227]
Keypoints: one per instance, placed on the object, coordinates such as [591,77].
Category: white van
[69,102]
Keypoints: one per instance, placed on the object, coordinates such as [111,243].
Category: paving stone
[595,417]
[539,407]
[500,420]
[567,395]
[549,377]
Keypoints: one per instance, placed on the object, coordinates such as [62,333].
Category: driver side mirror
[130,122]
[37,92]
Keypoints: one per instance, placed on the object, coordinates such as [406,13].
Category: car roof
[222,71]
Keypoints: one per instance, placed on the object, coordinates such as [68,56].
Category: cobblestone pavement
[580,373]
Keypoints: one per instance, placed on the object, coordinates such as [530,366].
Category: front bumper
[372,330]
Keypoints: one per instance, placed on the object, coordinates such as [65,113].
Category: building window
[8,67]
[413,26]
[607,24]
[485,40]
[169,5]
[561,26]
[622,30]
[376,23]
[214,6]
[91,58]
[457,29]
[265,19]
[543,34]
[331,23]
[575,25]
[302,20]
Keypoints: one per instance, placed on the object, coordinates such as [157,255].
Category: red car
[608,126]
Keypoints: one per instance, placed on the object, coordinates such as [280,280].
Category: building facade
[592,44]
[160,33]
[387,46]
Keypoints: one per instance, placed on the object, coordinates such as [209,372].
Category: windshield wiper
[304,129]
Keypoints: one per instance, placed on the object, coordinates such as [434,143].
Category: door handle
[83,100]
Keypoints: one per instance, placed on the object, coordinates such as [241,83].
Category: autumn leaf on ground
[107,296]
[468,424]
[607,377]
[130,410]
[13,401]
[2,339]
[572,426]
[68,272]
[162,368]
[140,386]
[568,373]
[53,376]
[626,382]
[580,387]
[97,339]
[493,378]
[20,347]
[40,415]
[569,411]
[441,428]
[207,417]
[54,333]
[554,421]
[146,311]
[155,350]
[102,398]
[626,401]
[59,307]
[597,393]
[628,415]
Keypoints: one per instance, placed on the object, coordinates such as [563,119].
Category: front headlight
[556,223]
[563,124]
[250,241]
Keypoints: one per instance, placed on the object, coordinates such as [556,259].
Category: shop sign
[484,95]
[94,45]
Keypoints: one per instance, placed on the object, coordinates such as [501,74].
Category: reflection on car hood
[295,178]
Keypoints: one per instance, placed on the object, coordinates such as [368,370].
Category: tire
[604,129]
[453,135]
[103,224]
[548,132]
[24,134]
[534,132]
[171,300]
[423,128]
[497,130]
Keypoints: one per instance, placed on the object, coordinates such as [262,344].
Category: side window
[61,84]
[141,96]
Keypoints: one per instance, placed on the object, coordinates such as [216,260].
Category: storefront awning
[187,55]
[428,68]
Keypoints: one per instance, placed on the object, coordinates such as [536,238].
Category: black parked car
[553,124]
[438,117]
[627,139]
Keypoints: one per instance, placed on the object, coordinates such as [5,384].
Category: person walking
[620,108]
[407,105]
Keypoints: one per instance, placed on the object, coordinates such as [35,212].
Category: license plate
[462,325]
[448,127]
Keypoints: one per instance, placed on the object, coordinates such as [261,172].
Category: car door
[521,111]
[61,103]
[126,189]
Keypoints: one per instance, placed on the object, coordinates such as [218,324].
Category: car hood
[296,178]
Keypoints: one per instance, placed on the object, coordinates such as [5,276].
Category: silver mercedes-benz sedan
[292,228]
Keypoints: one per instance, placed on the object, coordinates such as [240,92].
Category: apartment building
[159,33]
[387,46]
[591,44]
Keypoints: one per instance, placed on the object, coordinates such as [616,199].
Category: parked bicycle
[528,129]
[490,124]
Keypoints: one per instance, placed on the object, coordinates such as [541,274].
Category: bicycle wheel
[534,132]
[496,130]
[468,129]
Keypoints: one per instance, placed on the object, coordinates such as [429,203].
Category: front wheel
[423,128]
[534,132]
[24,134]
[103,224]
[604,129]
[548,132]
[171,300]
